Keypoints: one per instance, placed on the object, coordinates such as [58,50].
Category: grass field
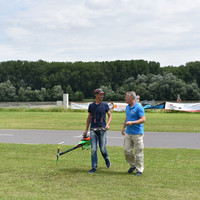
[30,172]
[38,119]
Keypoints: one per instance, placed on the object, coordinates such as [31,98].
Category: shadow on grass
[100,171]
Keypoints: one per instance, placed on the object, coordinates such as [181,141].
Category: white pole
[66,100]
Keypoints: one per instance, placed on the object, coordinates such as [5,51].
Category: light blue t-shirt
[132,114]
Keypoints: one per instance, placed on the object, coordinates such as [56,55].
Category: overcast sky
[165,31]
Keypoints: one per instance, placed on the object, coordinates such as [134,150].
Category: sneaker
[131,170]
[108,163]
[138,174]
[92,171]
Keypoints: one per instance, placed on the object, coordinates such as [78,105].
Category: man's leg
[93,140]
[139,154]
[128,151]
[102,146]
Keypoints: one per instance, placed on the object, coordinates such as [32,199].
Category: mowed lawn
[155,121]
[29,172]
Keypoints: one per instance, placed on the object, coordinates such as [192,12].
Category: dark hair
[97,91]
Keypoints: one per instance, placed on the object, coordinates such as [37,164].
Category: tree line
[47,81]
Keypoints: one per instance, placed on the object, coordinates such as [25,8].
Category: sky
[164,31]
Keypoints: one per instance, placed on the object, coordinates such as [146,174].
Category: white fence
[189,107]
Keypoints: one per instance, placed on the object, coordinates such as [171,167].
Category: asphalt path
[114,138]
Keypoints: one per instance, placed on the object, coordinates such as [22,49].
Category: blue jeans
[98,136]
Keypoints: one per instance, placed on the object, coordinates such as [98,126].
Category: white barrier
[189,107]
[84,106]
[80,106]
[119,106]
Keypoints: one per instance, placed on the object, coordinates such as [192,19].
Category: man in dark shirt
[98,128]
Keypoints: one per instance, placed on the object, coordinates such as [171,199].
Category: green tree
[154,89]
[109,93]
[78,96]
[7,91]
[70,92]
[21,94]
[29,94]
[193,92]
[57,92]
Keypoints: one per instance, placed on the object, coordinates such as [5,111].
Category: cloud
[99,30]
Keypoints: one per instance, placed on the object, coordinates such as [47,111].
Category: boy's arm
[109,119]
[87,123]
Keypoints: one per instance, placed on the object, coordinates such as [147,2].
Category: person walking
[98,128]
[135,117]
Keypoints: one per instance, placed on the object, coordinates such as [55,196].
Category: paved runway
[114,138]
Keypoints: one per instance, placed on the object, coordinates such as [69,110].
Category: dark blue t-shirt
[99,122]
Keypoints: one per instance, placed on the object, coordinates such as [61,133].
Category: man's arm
[124,126]
[87,123]
[139,121]
[109,119]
